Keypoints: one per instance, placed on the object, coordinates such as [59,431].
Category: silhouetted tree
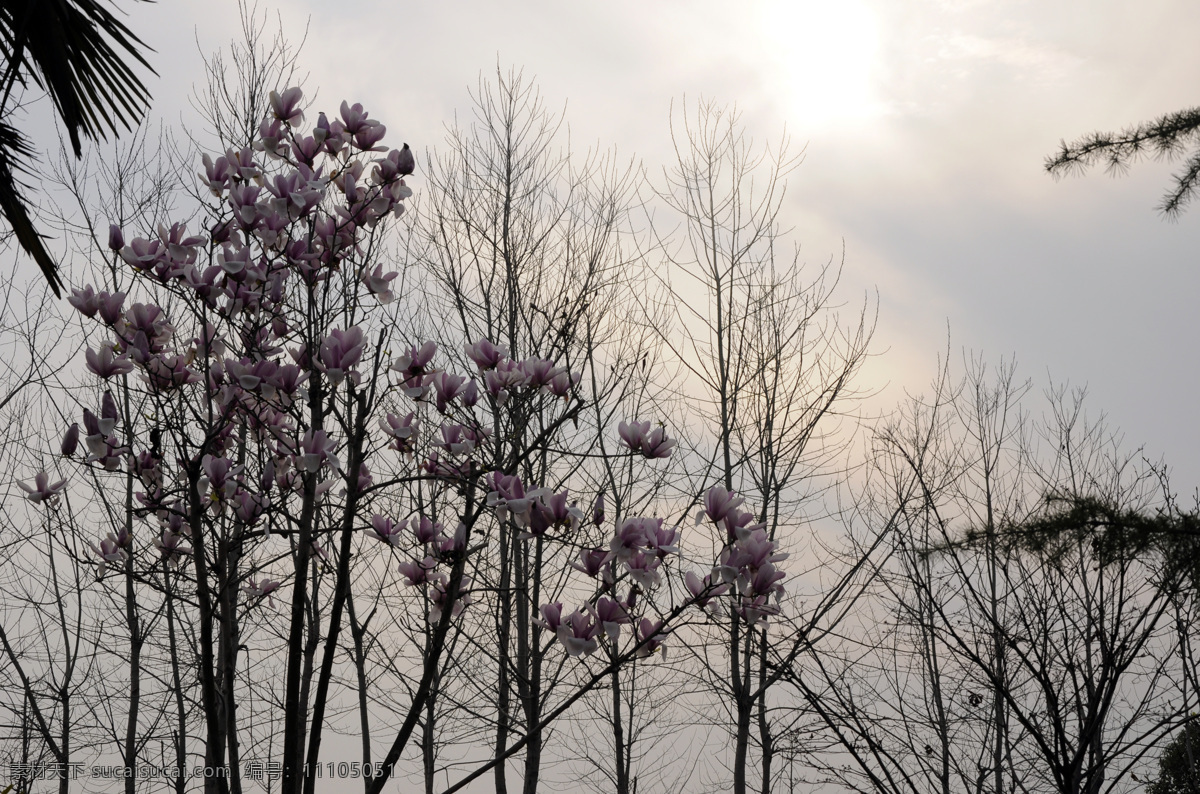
[1179,764]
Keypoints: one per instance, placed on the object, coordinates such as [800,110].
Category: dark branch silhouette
[81,56]
[1168,136]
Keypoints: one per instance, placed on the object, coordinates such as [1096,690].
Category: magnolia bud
[71,440]
[406,163]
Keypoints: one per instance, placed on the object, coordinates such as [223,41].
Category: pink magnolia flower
[560,515]
[704,590]
[412,366]
[387,530]
[756,609]
[446,469]
[540,372]
[460,440]
[656,444]
[243,164]
[469,396]
[446,388]
[486,355]
[551,616]
[633,434]
[437,598]
[560,385]
[180,247]
[650,633]
[340,352]
[450,547]
[109,306]
[718,503]
[147,468]
[354,117]
[216,174]
[765,581]
[633,534]
[591,561]
[739,525]
[262,588]
[405,162]
[242,374]
[503,379]
[172,547]
[84,301]
[166,373]
[758,549]
[141,254]
[640,438]
[286,106]
[271,138]
[220,481]
[425,530]
[305,148]
[249,507]
[610,615]
[368,136]
[108,411]
[316,449]
[111,551]
[509,497]
[577,633]
[643,569]
[103,447]
[103,364]
[43,490]
[397,163]
[417,572]
[379,283]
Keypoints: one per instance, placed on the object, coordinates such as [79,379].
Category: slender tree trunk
[295,709]
[428,735]
[177,687]
[360,668]
[135,676]
[64,742]
[531,698]
[617,725]
[228,660]
[743,707]
[765,740]
[214,747]
[341,592]
[503,660]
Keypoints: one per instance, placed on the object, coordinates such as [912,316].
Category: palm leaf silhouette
[80,54]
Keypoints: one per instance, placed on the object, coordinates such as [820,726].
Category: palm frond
[81,54]
[12,204]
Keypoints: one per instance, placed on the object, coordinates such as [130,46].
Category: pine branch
[1164,138]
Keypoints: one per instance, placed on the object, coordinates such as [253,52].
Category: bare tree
[766,369]
[521,241]
[1012,648]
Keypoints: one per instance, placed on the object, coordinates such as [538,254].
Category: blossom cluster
[746,567]
[290,215]
[253,357]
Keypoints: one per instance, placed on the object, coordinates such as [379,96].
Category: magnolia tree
[274,454]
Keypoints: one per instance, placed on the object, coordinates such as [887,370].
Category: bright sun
[823,53]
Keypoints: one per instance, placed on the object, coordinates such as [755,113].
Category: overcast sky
[925,123]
